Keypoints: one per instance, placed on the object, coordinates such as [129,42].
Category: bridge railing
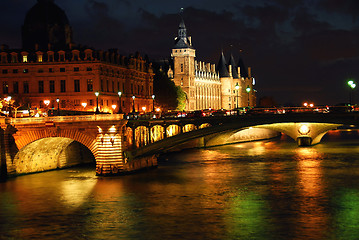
[78,118]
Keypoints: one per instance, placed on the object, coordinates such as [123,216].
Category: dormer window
[14,57]
[50,56]
[39,58]
[62,56]
[24,58]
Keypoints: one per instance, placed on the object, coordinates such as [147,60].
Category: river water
[257,190]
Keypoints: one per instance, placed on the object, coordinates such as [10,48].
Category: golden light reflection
[76,191]
[311,190]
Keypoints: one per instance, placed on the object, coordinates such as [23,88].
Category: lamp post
[237,88]
[248,89]
[9,102]
[153,103]
[47,102]
[133,103]
[58,106]
[120,103]
[352,85]
[97,110]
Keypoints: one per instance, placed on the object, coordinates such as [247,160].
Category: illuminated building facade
[228,85]
[50,67]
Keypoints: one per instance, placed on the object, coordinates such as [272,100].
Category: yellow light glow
[112,129]
[114,106]
[144,109]
[158,109]
[84,104]
[304,129]
[99,129]
[47,102]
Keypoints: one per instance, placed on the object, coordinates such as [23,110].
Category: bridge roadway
[120,145]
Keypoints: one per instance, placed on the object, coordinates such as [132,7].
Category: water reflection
[258,190]
[312,216]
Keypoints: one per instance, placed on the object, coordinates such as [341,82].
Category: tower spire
[182,40]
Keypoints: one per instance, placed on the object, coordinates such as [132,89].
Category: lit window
[24,58]
[39,58]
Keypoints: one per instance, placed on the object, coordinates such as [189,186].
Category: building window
[89,85]
[63,86]
[52,86]
[77,102]
[181,67]
[15,71]
[25,70]
[91,102]
[26,87]
[76,69]
[5,87]
[113,86]
[16,87]
[62,69]
[39,58]
[51,70]
[63,103]
[107,86]
[41,86]
[4,71]
[24,58]
[77,85]
[40,70]
[89,69]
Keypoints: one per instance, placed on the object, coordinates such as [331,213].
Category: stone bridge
[118,145]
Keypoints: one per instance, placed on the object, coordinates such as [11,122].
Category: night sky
[299,50]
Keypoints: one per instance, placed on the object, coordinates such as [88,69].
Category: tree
[165,90]
[181,99]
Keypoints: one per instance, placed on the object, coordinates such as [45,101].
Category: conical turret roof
[221,67]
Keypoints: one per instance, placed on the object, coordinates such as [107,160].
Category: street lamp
[58,106]
[153,103]
[47,102]
[97,94]
[237,88]
[9,102]
[352,85]
[133,103]
[120,104]
[248,89]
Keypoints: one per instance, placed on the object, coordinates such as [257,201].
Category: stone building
[50,71]
[228,85]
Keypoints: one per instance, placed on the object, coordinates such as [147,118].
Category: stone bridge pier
[305,134]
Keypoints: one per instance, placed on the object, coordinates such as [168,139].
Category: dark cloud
[298,49]
[350,7]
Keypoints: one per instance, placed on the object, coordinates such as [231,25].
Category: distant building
[50,67]
[208,85]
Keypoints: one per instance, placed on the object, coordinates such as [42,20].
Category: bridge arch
[157,133]
[25,138]
[189,127]
[49,154]
[204,125]
[173,130]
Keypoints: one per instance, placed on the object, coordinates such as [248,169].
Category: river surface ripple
[257,190]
